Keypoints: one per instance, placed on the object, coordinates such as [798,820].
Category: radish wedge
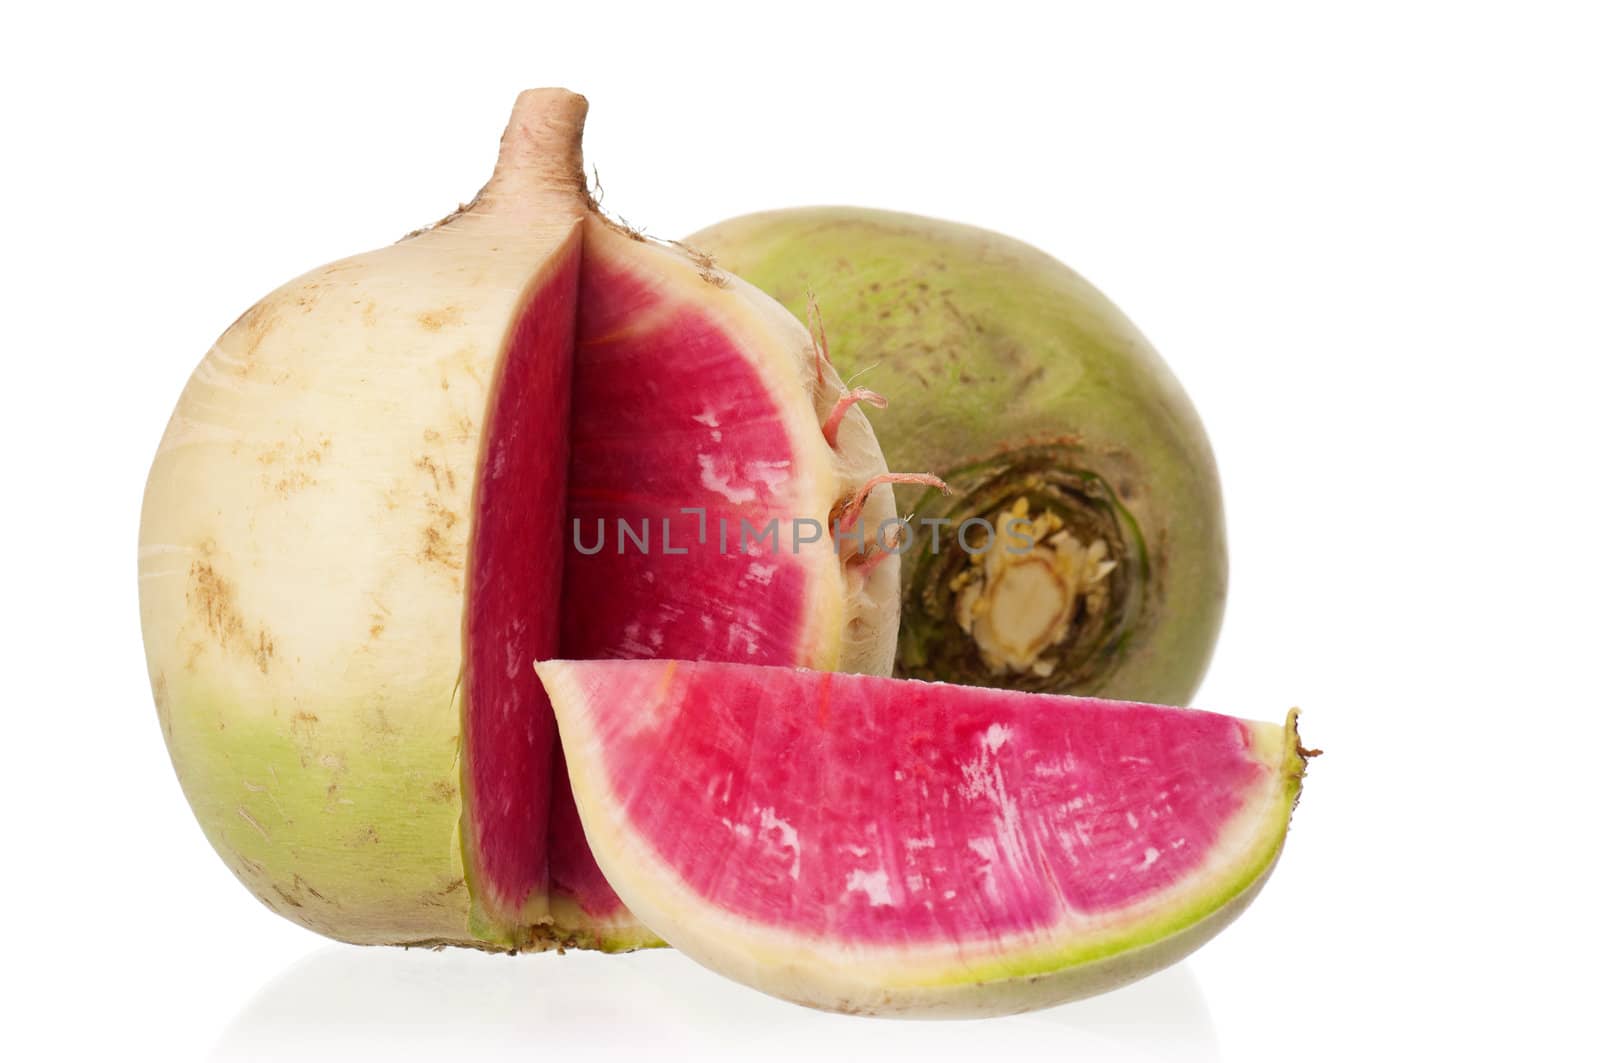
[881,846]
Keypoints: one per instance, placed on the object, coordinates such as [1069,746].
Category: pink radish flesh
[514,567]
[889,812]
[668,413]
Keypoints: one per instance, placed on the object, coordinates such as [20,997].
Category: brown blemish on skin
[378,618]
[256,323]
[437,547]
[298,889]
[287,469]
[211,600]
[437,899]
[369,313]
[302,884]
[444,791]
[434,320]
[309,296]
[382,726]
[440,536]
[264,650]
[951,309]
[427,465]
[286,896]
[296,480]
[250,866]
[462,362]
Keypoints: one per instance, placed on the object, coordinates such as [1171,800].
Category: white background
[1366,238]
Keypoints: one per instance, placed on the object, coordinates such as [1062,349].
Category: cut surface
[698,492]
[691,436]
[673,411]
[868,844]
[512,616]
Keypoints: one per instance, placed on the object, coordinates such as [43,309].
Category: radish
[892,847]
[356,532]
[1046,410]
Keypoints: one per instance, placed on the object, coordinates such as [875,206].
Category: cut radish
[888,846]
[355,534]
[1023,386]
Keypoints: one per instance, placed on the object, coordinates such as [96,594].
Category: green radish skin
[1012,378]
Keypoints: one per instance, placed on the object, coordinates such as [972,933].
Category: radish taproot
[1046,411]
[894,847]
[354,538]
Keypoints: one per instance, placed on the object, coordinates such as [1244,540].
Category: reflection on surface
[348,1003]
